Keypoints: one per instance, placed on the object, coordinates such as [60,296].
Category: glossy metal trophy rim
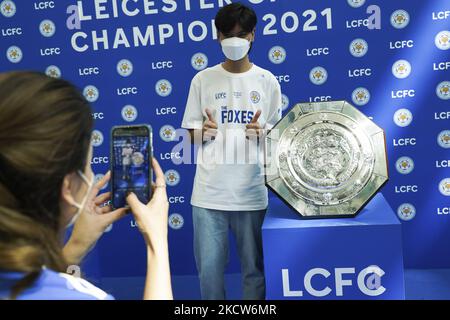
[346,126]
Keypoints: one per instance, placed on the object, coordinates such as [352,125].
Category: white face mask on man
[235,48]
[81,205]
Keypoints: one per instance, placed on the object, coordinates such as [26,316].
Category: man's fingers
[254,126]
[256,116]
[210,125]
[210,116]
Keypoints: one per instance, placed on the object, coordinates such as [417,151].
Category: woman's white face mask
[235,48]
[81,205]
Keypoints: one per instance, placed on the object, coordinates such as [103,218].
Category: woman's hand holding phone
[91,223]
[152,218]
[152,221]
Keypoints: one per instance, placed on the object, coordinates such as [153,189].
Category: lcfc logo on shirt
[358,48]
[277,54]
[172,177]
[124,68]
[444,187]
[356,3]
[318,75]
[284,102]
[399,19]
[255,97]
[7,8]
[199,61]
[53,71]
[406,211]
[403,117]
[167,133]
[129,113]
[443,90]
[47,28]
[14,54]
[360,96]
[91,93]
[401,69]
[404,165]
[163,88]
[176,221]
[220,96]
[442,40]
[97,138]
[444,139]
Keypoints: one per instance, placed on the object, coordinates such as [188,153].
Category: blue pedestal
[348,258]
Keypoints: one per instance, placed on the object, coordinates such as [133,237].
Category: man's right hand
[209,130]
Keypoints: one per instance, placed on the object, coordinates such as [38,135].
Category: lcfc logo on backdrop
[318,75]
[403,117]
[404,165]
[358,48]
[444,139]
[199,61]
[360,96]
[255,97]
[167,133]
[444,187]
[356,3]
[284,102]
[129,113]
[442,40]
[163,88]
[443,90]
[277,54]
[97,138]
[47,28]
[401,69]
[91,93]
[14,54]
[124,67]
[399,19]
[8,8]
[53,71]
[172,177]
[176,221]
[406,211]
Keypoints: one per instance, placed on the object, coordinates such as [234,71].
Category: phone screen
[131,169]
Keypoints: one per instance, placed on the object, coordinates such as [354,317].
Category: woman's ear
[67,189]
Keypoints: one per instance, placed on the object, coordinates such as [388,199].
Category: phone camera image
[131,168]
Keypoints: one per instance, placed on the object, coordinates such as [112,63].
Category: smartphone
[131,169]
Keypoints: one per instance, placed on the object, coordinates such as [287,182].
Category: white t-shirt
[230,172]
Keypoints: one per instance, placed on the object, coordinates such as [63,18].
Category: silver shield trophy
[326,159]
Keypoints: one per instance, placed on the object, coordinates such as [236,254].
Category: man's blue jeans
[211,250]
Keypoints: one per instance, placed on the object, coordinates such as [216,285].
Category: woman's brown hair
[45,128]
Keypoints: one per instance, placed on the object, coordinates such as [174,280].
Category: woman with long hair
[47,184]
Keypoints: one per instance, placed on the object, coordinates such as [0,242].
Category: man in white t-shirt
[229,109]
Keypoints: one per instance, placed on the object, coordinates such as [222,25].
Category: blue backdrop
[135,59]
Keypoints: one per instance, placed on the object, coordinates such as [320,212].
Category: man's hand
[254,130]
[209,130]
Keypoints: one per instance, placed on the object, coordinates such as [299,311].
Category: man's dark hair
[235,14]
